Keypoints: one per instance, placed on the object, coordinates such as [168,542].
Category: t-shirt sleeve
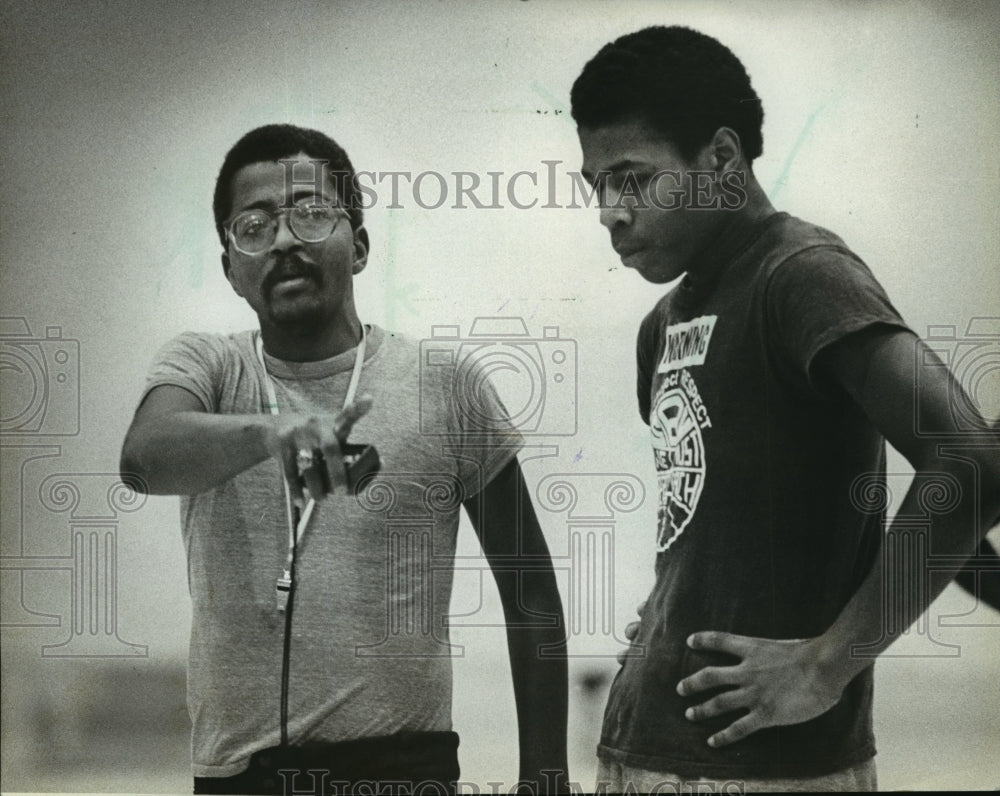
[819,296]
[192,361]
[645,357]
[485,437]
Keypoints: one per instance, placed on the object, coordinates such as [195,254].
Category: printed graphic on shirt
[676,422]
[687,344]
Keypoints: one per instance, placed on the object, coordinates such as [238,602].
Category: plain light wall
[880,123]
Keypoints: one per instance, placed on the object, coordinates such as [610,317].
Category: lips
[625,252]
[623,247]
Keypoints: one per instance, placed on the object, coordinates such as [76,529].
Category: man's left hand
[778,681]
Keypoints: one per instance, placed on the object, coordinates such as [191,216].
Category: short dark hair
[273,142]
[685,84]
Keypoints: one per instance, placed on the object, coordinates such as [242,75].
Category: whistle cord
[287,646]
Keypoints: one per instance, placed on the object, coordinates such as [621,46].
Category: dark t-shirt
[757,454]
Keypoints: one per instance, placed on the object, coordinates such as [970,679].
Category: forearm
[536,641]
[185,453]
[900,585]
[953,501]
[508,530]
[790,681]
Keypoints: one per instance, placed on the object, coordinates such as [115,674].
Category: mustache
[290,267]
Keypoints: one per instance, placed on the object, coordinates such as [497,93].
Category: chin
[657,274]
[654,270]
[299,317]
[657,278]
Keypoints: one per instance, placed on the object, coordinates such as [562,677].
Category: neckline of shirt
[322,368]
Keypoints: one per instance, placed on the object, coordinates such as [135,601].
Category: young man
[769,377]
[319,643]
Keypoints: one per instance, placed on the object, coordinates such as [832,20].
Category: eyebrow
[260,204]
[626,164]
[297,195]
[307,192]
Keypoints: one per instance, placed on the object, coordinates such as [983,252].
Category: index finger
[352,413]
[290,468]
[718,641]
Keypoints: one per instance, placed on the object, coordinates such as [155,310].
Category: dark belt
[407,762]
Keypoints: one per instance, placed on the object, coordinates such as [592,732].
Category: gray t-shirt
[369,652]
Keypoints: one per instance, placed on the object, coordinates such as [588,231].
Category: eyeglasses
[253,231]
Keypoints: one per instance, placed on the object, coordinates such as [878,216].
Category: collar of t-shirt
[322,368]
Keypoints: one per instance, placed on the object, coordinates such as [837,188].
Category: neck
[731,227]
[757,205]
[756,208]
[302,344]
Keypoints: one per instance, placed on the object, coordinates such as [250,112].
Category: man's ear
[227,270]
[725,152]
[360,250]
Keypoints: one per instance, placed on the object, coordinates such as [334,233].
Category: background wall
[881,123]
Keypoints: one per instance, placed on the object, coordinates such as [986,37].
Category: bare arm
[175,447]
[791,681]
[969,472]
[512,540]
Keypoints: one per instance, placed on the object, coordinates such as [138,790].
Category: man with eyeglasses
[319,655]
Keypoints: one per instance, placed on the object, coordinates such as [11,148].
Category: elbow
[131,470]
[982,479]
[975,474]
[989,476]
[540,595]
[133,479]
[135,482]
[529,593]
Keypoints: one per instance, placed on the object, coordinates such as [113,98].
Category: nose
[613,210]
[284,238]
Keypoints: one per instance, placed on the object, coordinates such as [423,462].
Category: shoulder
[793,240]
[798,233]
[821,292]
[807,258]
[393,341]
[212,341]
[203,363]
[209,349]
[397,353]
